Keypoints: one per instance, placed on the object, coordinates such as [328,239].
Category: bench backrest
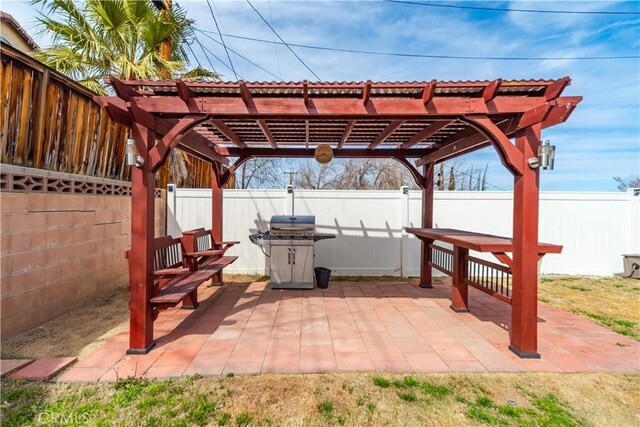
[199,238]
[167,253]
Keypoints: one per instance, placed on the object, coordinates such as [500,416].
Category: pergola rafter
[416,123]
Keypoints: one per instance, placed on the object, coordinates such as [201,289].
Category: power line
[241,56]
[275,47]
[222,40]
[499,9]
[205,50]
[420,55]
[282,40]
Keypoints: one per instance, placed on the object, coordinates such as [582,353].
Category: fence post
[404,237]
[172,221]
[289,208]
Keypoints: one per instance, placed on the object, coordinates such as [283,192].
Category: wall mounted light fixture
[545,159]
[132,158]
[546,154]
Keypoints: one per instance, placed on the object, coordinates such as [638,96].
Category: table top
[476,241]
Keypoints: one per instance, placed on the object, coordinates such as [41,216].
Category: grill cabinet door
[303,264]
[280,264]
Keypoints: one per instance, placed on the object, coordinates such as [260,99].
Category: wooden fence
[49,121]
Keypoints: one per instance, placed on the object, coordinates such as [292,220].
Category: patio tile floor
[393,327]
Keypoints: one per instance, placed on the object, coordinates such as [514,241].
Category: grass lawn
[334,399]
[612,302]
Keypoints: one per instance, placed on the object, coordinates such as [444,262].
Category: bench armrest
[211,252]
[171,271]
[230,243]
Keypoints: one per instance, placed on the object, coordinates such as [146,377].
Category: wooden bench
[178,276]
[202,252]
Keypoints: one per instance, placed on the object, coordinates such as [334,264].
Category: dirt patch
[83,329]
[74,333]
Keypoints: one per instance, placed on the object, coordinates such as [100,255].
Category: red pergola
[416,123]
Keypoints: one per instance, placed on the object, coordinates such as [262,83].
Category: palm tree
[121,38]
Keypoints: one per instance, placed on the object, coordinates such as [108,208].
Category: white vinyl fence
[594,228]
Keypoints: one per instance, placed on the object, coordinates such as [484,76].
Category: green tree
[96,39]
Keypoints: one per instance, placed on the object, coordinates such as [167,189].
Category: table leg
[459,290]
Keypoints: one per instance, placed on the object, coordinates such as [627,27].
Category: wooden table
[465,270]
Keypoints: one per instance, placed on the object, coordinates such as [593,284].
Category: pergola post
[141,254]
[216,212]
[427,222]
[524,314]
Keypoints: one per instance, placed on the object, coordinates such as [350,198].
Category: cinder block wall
[61,250]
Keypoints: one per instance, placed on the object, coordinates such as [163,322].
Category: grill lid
[292,221]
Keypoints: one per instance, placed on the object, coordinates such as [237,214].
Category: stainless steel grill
[291,240]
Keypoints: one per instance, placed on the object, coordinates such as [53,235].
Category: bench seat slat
[178,288]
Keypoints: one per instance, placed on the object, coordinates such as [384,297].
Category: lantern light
[546,154]
[133,159]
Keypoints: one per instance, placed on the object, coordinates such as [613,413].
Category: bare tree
[354,174]
[262,173]
[632,181]
[315,176]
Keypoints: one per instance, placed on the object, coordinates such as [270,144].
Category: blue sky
[599,141]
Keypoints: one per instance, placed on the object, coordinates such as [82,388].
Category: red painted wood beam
[141,255]
[267,133]
[424,134]
[194,142]
[366,92]
[116,109]
[558,115]
[427,222]
[122,90]
[346,133]
[386,133]
[555,89]
[524,303]
[226,175]
[463,142]
[428,92]
[417,176]
[345,153]
[535,115]
[245,94]
[228,133]
[491,91]
[306,133]
[159,153]
[305,92]
[184,92]
[510,156]
[341,108]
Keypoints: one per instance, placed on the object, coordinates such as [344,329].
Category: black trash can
[322,277]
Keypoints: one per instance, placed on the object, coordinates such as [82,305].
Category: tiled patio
[249,329]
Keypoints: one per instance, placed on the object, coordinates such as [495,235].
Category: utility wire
[498,9]
[205,50]
[282,40]
[420,55]
[222,40]
[241,56]
[275,46]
